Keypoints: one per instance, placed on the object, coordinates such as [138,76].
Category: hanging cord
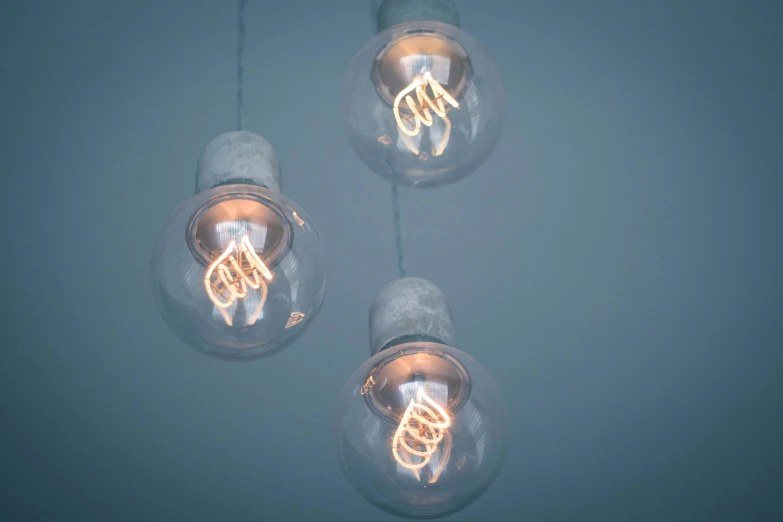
[240,70]
[395,190]
[401,264]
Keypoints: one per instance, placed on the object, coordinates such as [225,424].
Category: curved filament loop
[228,278]
[421,107]
[422,428]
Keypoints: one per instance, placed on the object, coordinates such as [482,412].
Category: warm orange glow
[423,104]
[421,429]
[228,278]
[420,113]
[368,384]
[294,319]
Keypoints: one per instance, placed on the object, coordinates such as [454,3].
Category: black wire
[401,264]
[240,70]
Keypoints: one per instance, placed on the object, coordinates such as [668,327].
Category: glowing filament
[368,384]
[294,319]
[421,107]
[421,429]
[232,273]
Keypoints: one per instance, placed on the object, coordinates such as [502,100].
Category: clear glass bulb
[421,430]
[423,104]
[237,272]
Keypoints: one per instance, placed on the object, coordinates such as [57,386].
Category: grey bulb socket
[238,157]
[395,12]
[408,310]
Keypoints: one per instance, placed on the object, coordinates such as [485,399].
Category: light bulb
[423,103]
[421,426]
[237,271]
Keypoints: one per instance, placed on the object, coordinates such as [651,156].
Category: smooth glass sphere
[237,272]
[421,430]
[423,104]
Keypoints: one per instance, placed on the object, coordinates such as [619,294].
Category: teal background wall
[616,264]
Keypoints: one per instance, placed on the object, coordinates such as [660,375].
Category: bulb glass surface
[423,104]
[237,272]
[421,430]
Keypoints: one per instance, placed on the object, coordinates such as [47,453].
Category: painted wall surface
[617,264]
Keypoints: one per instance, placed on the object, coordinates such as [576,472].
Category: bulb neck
[238,157]
[395,12]
[409,310]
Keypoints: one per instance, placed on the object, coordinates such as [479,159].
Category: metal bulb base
[409,310]
[395,12]
[238,157]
